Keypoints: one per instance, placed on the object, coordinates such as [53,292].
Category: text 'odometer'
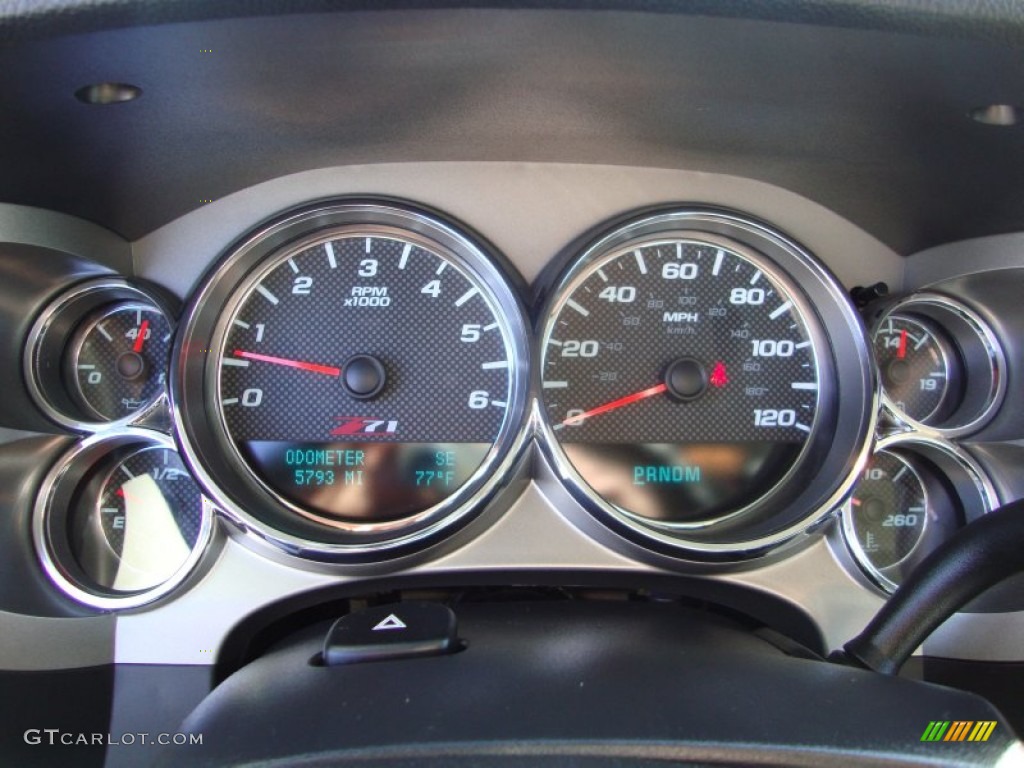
[353,379]
[365,377]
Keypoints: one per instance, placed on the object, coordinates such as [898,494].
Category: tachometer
[689,381]
[365,376]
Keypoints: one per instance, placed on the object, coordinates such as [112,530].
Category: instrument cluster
[358,379]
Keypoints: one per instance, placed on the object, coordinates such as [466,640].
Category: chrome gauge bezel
[54,503]
[968,482]
[212,455]
[49,346]
[847,396]
[982,358]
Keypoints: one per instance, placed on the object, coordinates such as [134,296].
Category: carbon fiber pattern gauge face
[365,372]
[705,384]
[920,369]
[365,377]
[119,521]
[119,360]
[680,378]
[145,522]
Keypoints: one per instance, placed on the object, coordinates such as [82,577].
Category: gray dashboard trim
[49,229]
[966,257]
[33,643]
[529,211]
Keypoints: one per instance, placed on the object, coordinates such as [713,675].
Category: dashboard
[698,326]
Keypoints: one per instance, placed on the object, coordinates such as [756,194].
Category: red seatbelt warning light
[719,378]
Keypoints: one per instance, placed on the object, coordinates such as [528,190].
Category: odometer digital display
[680,377]
[365,375]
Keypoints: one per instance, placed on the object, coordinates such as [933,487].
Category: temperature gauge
[888,512]
[915,493]
[118,359]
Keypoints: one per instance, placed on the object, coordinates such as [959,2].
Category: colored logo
[958,730]
[357,425]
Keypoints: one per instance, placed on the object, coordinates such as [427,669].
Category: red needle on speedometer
[330,370]
[141,338]
[902,351]
[636,396]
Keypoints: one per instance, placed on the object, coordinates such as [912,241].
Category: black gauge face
[118,360]
[138,524]
[918,367]
[889,513]
[679,377]
[364,377]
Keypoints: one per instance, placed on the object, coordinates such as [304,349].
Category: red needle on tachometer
[641,395]
[141,338]
[902,351]
[330,370]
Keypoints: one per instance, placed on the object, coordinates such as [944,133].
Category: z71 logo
[359,425]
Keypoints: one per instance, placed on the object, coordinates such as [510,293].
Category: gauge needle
[141,338]
[636,396]
[902,351]
[329,370]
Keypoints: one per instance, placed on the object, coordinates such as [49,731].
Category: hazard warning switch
[394,631]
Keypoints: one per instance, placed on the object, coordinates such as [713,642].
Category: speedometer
[690,384]
[363,378]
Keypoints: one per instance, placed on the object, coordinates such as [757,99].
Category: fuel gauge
[120,521]
[146,519]
[888,511]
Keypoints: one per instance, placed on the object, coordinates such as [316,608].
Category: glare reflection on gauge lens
[143,525]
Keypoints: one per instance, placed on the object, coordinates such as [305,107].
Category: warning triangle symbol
[391,622]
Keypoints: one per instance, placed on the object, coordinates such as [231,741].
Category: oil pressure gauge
[117,359]
[97,357]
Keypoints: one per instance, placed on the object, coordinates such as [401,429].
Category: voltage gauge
[942,367]
[921,370]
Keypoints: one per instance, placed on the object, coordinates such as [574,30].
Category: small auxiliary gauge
[97,356]
[889,511]
[942,368]
[120,521]
[915,492]
[921,370]
[117,359]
